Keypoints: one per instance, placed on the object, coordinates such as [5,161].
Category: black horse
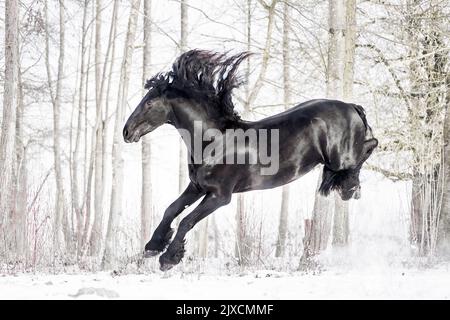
[198,90]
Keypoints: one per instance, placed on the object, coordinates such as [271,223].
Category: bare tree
[100,135]
[182,164]
[75,181]
[20,185]
[243,241]
[350,45]
[253,94]
[55,94]
[444,230]
[201,233]
[146,196]
[97,227]
[117,159]
[341,209]
[110,80]
[317,229]
[426,105]
[284,210]
[339,74]
[7,139]
[242,245]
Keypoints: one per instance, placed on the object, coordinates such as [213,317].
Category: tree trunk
[350,44]
[341,208]
[216,236]
[7,138]
[320,224]
[253,94]
[182,163]
[76,205]
[146,196]
[284,210]
[243,242]
[203,240]
[336,48]
[21,180]
[109,257]
[428,72]
[112,44]
[59,226]
[101,133]
[283,224]
[444,227]
[340,222]
[338,74]
[86,162]
[201,232]
[97,228]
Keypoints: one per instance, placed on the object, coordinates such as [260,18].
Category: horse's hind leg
[163,233]
[175,251]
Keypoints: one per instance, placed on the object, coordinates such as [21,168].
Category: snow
[395,283]
[379,262]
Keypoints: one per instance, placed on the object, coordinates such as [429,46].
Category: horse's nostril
[125,132]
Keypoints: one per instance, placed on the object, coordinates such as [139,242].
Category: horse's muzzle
[130,135]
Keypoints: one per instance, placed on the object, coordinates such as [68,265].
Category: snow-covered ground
[382,284]
[379,263]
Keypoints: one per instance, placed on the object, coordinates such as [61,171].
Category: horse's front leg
[175,251]
[163,233]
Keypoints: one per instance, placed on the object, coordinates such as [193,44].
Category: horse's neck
[191,119]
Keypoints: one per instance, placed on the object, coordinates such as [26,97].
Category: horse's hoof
[166,266]
[167,262]
[150,253]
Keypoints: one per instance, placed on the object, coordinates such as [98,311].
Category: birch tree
[55,95]
[7,139]
[284,209]
[20,178]
[339,74]
[101,130]
[76,159]
[243,241]
[98,131]
[146,196]
[341,208]
[426,106]
[182,163]
[242,245]
[444,228]
[112,52]
[117,158]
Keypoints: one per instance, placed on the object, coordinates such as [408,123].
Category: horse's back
[313,109]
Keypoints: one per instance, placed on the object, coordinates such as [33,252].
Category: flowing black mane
[206,76]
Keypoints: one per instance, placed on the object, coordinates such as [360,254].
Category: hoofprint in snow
[371,284]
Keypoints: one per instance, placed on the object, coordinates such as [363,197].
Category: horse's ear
[367,149]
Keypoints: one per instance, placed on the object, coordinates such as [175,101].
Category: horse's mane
[206,76]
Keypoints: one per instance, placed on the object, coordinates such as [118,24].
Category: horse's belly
[258,181]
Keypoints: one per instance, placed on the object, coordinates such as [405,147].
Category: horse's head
[152,112]
[206,77]
[346,182]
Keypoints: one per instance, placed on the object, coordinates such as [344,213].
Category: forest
[75,198]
